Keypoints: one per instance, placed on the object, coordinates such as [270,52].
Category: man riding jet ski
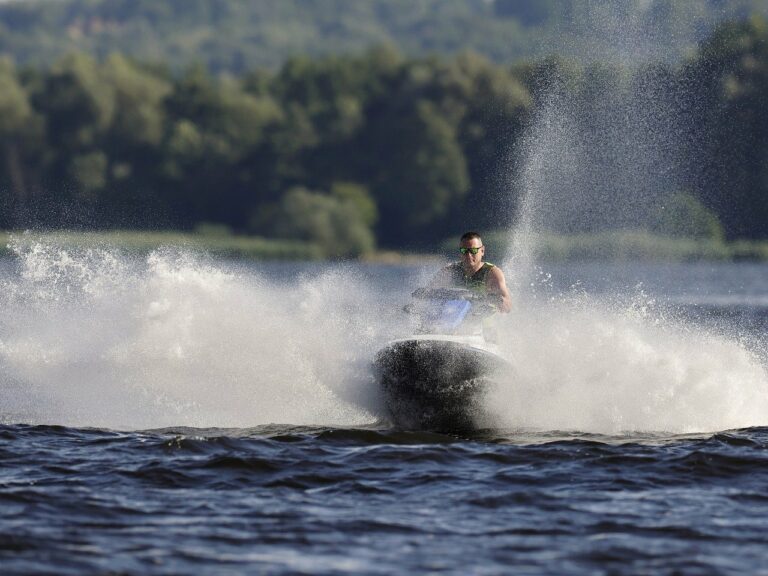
[436,379]
[474,274]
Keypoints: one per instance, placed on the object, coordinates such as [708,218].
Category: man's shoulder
[493,271]
[495,274]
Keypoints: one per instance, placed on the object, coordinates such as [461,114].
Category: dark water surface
[285,500]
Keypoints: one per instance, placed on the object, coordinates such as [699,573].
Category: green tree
[683,215]
[421,171]
[729,89]
[77,103]
[15,113]
[132,146]
[215,131]
[359,197]
[78,106]
[334,222]
[139,117]
[90,172]
[496,106]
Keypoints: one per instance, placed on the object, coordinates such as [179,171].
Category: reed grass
[604,246]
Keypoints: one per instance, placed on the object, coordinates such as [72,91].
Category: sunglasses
[472,251]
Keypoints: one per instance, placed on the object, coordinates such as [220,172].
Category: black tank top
[474,282]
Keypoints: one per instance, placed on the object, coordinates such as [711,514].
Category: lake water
[176,415]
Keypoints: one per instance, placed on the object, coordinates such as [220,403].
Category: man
[471,272]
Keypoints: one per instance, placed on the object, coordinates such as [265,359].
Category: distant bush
[684,216]
[333,222]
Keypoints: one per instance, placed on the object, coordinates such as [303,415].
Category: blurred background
[338,128]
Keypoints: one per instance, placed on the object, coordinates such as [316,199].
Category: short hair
[470,236]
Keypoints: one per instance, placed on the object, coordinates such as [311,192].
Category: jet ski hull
[436,384]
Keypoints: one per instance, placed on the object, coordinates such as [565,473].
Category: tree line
[355,151]
[237,36]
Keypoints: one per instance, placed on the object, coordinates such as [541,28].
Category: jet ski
[437,378]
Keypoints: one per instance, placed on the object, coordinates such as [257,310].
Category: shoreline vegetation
[336,152]
[612,246]
[337,155]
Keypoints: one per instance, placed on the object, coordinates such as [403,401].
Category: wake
[96,337]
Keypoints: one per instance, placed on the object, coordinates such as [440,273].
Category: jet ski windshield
[446,310]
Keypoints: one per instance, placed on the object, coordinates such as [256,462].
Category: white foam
[590,365]
[96,338]
[598,160]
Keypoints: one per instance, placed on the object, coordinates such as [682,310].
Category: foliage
[682,215]
[729,77]
[237,36]
[357,196]
[14,105]
[347,153]
[334,223]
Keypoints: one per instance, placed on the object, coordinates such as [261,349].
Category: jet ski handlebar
[448,294]
[481,304]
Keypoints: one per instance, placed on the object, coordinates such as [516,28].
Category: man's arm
[497,286]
